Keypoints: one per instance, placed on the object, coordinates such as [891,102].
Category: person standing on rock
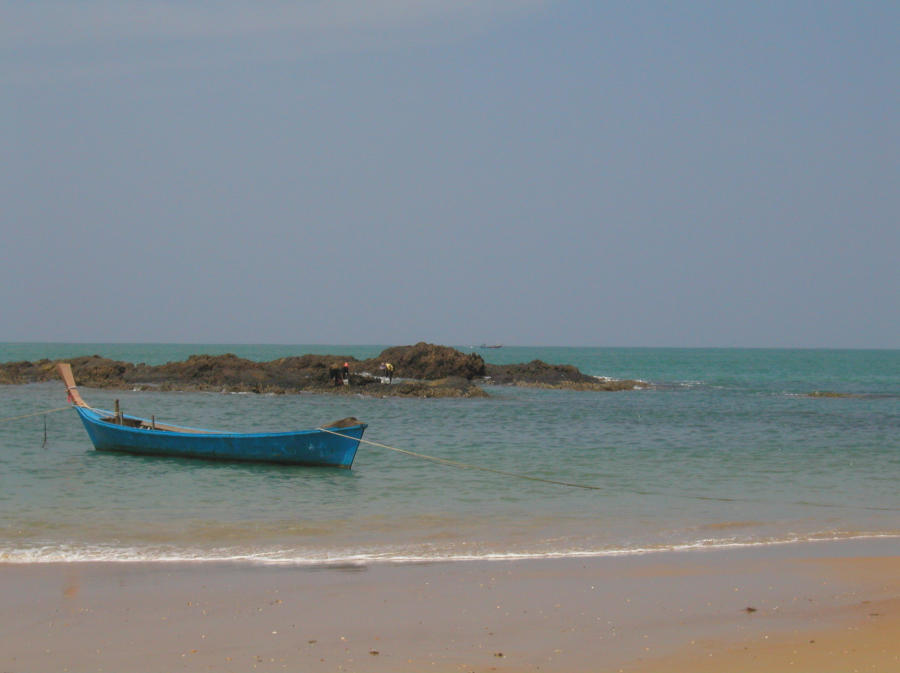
[347,373]
[389,368]
[334,373]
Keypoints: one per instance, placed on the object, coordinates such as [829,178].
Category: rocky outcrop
[430,362]
[540,374]
[26,372]
[537,372]
[422,370]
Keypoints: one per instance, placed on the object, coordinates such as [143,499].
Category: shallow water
[725,448]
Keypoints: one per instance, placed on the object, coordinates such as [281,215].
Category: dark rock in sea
[428,361]
[421,370]
[540,374]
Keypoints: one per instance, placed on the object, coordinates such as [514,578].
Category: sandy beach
[809,607]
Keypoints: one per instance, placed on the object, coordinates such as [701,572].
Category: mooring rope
[516,475]
[36,413]
[468,466]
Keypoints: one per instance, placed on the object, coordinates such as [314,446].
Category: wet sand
[813,607]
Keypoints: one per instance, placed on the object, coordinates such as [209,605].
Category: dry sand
[811,608]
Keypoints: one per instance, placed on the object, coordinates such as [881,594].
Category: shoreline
[280,558]
[741,609]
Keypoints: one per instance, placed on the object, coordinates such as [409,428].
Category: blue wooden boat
[332,445]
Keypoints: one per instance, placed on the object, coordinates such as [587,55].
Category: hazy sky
[530,172]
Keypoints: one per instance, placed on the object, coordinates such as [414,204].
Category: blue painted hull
[302,447]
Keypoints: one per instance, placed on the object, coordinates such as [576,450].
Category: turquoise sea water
[725,447]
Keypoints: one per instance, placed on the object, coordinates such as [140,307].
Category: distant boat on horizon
[491,346]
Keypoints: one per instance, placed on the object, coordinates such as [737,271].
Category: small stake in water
[44,444]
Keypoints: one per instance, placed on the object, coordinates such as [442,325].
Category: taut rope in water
[468,466]
[36,413]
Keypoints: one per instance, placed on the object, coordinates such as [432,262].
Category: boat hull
[336,448]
